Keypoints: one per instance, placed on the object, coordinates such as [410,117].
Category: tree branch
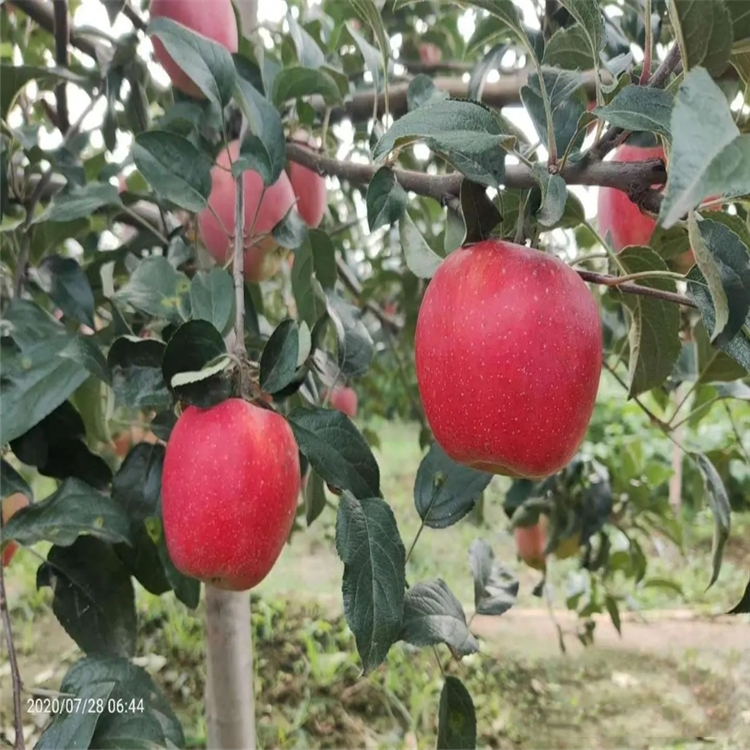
[15,675]
[62,39]
[133,17]
[628,287]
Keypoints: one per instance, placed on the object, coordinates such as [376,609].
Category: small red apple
[429,53]
[345,400]
[230,485]
[10,506]
[309,188]
[214,20]
[530,542]
[508,352]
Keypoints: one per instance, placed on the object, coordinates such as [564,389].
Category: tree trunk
[230,704]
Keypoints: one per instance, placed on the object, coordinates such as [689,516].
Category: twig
[648,44]
[62,40]
[350,281]
[15,675]
[133,17]
[658,422]
[630,288]
[238,268]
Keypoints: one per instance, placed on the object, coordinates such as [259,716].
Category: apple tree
[381,198]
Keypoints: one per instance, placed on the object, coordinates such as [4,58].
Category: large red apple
[261,261]
[345,400]
[508,355]
[229,492]
[214,20]
[309,188]
[530,543]
[10,506]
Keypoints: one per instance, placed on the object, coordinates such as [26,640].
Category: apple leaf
[264,149]
[174,167]
[137,381]
[315,497]
[589,16]
[713,365]
[444,491]
[212,298]
[278,363]
[36,376]
[495,586]
[12,482]
[14,77]
[93,596]
[208,64]
[433,615]
[480,213]
[466,134]
[639,108]
[718,501]
[296,83]
[309,53]
[336,450]
[420,258]
[370,54]
[369,544]
[386,199]
[709,156]
[355,348]
[150,722]
[314,269]
[68,287]
[743,605]
[422,90]
[457,719]
[654,324]
[135,489]
[567,48]
[79,202]
[194,362]
[554,196]
[704,33]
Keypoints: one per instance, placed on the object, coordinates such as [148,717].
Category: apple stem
[15,675]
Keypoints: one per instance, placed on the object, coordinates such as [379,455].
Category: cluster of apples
[263,210]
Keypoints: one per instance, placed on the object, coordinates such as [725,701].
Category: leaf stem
[238,267]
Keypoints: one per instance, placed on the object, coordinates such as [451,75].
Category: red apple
[344,399]
[214,20]
[429,53]
[309,188]
[530,542]
[508,355]
[229,492]
[260,260]
[10,506]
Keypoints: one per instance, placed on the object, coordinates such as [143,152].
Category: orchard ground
[666,683]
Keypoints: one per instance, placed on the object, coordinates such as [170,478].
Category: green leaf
[718,501]
[466,134]
[495,586]
[355,345]
[291,231]
[614,611]
[174,168]
[79,202]
[704,33]
[315,497]
[296,83]
[457,721]
[370,54]
[640,108]
[156,288]
[386,199]
[194,363]
[136,372]
[369,545]
[589,17]
[309,53]
[314,266]
[422,90]
[212,298]
[148,721]
[433,615]
[724,261]
[369,12]
[654,329]
[76,729]
[135,489]
[93,596]
[709,157]
[74,509]
[278,363]
[208,64]
[554,196]
[68,287]
[14,77]
[444,491]
[743,605]
[264,148]
[336,450]
[480,213]
[11,482]
[420,258]
[567,49]
[39,378]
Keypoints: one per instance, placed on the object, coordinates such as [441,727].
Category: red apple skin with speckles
[508,356]
[230,486]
